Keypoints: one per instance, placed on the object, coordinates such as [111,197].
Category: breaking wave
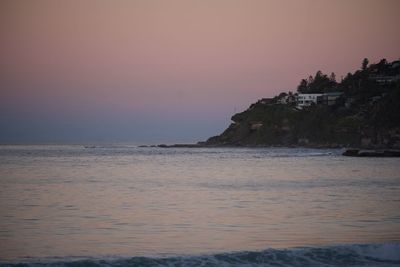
[344,255]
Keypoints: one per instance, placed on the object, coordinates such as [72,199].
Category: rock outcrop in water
[365,114]
[372,153]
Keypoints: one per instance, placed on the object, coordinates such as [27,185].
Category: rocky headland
[362,111]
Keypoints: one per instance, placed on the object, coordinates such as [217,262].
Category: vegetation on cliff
[367,113]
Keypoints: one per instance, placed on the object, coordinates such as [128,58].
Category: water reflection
[64,201]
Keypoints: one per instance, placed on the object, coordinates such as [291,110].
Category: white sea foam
[378,255]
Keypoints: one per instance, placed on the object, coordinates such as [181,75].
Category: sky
[170,71]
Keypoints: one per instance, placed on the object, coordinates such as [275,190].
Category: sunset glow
[170,70]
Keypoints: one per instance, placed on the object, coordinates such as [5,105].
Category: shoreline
[349,152]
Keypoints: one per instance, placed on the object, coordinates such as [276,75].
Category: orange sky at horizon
[173,60]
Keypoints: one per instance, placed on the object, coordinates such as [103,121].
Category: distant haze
[155,71]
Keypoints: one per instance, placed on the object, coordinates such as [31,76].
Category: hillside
[365,113]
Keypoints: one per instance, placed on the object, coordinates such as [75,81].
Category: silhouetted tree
[310,79]
[365,64]
[382,65]
[320,83]
[332,78]
[303,86]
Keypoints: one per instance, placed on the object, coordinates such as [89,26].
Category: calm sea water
[120,205]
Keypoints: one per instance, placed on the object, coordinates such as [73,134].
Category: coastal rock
[371,153]
[351,152]
[366,116]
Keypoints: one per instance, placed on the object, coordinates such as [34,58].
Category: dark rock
[351,152]
[371,153]
[391,153]
[180,146]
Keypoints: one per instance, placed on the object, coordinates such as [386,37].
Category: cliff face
[372,121]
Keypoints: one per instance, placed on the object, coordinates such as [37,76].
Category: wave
[380,255]
[65,150]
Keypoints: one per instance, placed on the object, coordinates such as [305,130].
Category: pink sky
[180,65]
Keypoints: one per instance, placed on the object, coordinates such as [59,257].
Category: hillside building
[305,100]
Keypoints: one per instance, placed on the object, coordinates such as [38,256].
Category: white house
[305,100]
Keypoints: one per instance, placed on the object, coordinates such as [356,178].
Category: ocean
[123,205]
